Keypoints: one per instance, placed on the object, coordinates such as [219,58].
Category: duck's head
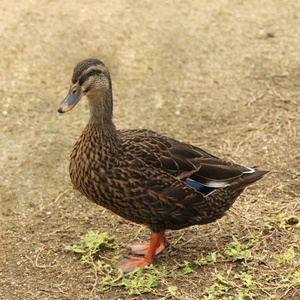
[91,78]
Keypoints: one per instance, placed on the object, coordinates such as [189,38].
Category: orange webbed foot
[156,245]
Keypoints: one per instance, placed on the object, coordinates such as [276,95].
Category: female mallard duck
[142,176]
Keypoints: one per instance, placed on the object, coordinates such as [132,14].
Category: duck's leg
[142,248]
[130,263]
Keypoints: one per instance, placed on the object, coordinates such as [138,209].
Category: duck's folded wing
[182,160]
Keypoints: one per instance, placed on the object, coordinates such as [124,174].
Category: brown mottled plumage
[142,176]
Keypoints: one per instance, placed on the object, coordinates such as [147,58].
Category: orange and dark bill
[74,95]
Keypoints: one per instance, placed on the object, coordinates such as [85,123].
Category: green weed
[220,287]
[282,221]
[139,281]
[186,269]
[135,283]
[286,258]
[294,278]
[90,244]
[238,251]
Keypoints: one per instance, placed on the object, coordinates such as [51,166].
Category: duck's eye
[91,72]
[74,92]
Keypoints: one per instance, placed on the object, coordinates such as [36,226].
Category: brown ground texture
[222,75]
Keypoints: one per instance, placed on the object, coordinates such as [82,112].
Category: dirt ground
[222,75]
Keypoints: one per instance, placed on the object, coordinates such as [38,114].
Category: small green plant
[215,257]
[139,283]
[221,286]
[201,262]
[247,279]
[239,251]
[283,221]
[295,278]
[287,221]
[269,223]
[217,289]
[172,290]
[286,258]
[91,244]
[136,282]
[186,269]
[212,258]
[163,272]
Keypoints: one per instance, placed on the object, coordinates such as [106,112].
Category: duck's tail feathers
[249,178]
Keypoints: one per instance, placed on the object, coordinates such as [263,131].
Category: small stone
[285,280]
[270,35]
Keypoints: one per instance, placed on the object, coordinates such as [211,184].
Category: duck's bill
[73,97]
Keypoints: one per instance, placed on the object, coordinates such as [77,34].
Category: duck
[143,176]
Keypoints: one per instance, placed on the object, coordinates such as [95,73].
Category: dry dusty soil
[223,75]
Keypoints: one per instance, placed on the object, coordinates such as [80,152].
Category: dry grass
[223,75]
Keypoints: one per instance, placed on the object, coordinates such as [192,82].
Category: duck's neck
[101,115]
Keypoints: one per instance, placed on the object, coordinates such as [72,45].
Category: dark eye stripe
[85,77]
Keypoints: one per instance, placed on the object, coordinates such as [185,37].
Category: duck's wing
[186,162]
[154,197]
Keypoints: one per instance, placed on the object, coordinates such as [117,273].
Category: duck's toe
[139,248]
[130,263]
[142,248]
